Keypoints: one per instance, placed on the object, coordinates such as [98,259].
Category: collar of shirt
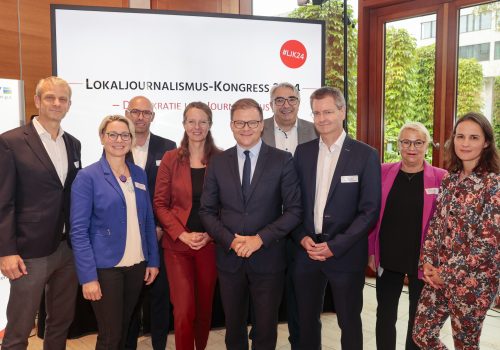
[140,153]
[42,132]
[144,147]
[277,127]
[254,154]
[336,145]
[254,151]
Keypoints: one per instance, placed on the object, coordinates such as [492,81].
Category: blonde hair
[418,127]
[117,118]
[52,81]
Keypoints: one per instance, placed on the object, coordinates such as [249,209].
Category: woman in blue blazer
[113,233]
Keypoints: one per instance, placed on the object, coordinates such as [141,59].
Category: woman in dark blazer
[188,250]
[113,233]
[409,192]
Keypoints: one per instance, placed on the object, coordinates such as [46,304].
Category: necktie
[245,183]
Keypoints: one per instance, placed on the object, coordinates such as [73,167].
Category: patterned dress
[463,241]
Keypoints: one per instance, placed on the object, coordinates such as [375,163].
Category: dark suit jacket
[157,148]
[272,209]
[173,199]
[352,208]
[34,205]
[305,131]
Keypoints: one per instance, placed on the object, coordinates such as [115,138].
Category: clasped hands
[316,251]
[432,276]
[245,246]
[195,240]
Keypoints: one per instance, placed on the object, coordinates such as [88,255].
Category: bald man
[147,153]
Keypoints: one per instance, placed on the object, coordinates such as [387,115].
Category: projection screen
[109,55]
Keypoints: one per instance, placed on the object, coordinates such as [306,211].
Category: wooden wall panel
[35,41]
[9,40]
[215,6]
[190,6]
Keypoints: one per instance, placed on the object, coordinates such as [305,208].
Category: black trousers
[265,291]
[120,287]
[152,312]
[389,287]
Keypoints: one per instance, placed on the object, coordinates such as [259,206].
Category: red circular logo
[293,54]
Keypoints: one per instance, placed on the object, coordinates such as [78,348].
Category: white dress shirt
[133,245]
[286,140]
[327,162]
[56,149]
[140,153]
[254,155]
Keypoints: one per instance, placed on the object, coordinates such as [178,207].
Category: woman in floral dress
[460,257]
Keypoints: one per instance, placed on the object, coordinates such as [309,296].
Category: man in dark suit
[39,162]
[155,301]
[284,130]
[340,185]
[250,202]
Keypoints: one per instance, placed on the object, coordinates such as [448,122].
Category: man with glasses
[284,130]
[250,202]
[340,183]
[147,153]
[38,163]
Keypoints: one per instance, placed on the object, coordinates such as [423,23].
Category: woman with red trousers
[189,251]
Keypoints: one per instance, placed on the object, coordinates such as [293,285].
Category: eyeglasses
[292,101]
[136,113]
[113,136]
[407,143]
[327,113]
[240,124]
[193,123]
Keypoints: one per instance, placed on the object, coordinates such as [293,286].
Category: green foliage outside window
[409,76]
[331,13]
[470,85]
[409,87]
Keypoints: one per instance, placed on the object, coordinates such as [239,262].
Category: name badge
[433,190]
[348,179]
[77,164]
[140,186]
[158,162]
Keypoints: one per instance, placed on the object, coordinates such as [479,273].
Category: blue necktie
[245,183]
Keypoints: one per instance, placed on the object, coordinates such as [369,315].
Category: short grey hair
[418,127]
[117,118]
[53,81]
[284,85]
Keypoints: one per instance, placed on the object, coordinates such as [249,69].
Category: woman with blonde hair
[113,233]
[409,191]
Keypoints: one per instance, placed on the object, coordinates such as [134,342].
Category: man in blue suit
[250,202]
[340,185]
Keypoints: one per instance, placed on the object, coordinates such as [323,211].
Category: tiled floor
[490,338]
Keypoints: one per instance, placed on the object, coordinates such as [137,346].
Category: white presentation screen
[110,55]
